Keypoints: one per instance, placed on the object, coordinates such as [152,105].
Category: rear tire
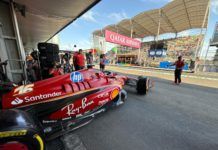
[142,85]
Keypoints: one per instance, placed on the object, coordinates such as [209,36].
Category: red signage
[120,39]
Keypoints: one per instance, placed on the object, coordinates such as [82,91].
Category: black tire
[19,127]
[32,140]
[142,85]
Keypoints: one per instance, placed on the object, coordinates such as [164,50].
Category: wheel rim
[15,145]
[147,84]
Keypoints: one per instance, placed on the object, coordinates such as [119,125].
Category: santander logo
[17,101]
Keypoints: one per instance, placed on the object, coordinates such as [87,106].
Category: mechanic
[79,60]
[179,64]
[56,70]
[74,60]
[30,69]
[102,62]
[89,59]
[66,63]
[2,74]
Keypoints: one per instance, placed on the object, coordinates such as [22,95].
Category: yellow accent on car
[39,139]
[114,93]
[12,133]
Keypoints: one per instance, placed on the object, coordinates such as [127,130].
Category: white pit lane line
[186,76]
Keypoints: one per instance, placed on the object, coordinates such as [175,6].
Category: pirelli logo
[12,133]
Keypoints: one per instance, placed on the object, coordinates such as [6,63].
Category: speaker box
[48,55]
[48,48]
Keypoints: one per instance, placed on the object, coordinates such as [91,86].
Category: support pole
[203,24]
[19,40]
[159,24]
[205,58]
[139,53]
[199,44]
[93,47]
[117,29]
[131,35]
[116,59]
[131,30]
[103,43]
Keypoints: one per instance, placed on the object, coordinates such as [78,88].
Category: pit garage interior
[25,23]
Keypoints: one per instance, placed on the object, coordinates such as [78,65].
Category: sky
[108,12]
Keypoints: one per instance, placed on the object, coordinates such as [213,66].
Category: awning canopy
[176,16]
[44,18]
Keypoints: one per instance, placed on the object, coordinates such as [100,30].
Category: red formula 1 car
[34,113]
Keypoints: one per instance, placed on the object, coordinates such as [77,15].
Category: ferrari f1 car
[35,113]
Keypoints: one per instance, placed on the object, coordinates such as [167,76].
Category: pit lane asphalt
[170,117]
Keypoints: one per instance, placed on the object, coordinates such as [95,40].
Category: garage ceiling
[45,18]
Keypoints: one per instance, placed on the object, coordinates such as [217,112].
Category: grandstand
[190,15]
[184,46]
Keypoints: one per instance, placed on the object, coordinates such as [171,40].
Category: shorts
[102,66]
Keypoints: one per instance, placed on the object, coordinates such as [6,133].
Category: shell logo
[114,93]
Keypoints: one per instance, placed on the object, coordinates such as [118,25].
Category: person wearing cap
[179,64]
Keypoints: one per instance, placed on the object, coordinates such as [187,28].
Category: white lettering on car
[102,102]
[41,96]
[72,111]
[85,103]
[103,95]
[23,89]
[28,99]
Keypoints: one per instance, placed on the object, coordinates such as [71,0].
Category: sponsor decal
[35,98]
[71,110]
[102,102]
[85,103]
[121,39]
[23,89]
[12,133]
[66,118]
[76,77]
[17,101]
[41,96]
[103,95]
[114,93]
[49,121]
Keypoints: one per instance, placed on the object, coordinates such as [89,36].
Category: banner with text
[120,39]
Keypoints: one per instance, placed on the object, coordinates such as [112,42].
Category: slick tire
[29,140]
[142,85]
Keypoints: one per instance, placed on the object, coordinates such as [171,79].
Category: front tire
[30,141]
[18,129]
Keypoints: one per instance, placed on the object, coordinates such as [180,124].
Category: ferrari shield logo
[76,77]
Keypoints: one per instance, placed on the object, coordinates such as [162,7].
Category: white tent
[174,17]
